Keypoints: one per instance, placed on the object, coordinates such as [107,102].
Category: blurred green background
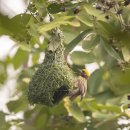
[96,35]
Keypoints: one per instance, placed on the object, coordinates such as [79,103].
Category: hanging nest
[54,79]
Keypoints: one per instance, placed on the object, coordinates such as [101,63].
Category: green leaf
[41,6]
[2,118]
[25,47]
[126,15]
[120,81]
[38,118]
[20,58]
[94,82]
[91,43]
[70,33]
[94,106]
[102,116]
[3,73]
[76,40]
[4,125]
[22,19]
[74,23]
[41,118]
[75,110]
[14,26]
[109,49]
[54,8]
[126,54]
[84,18]
[105,29]
[82,58]
[17,105]
[94,12]
[61,20]
[104,96]
[35,58]
[58,109]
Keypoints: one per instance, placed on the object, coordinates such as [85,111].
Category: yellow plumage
[86,72]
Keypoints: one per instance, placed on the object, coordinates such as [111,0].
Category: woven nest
[50,84]
[53,80]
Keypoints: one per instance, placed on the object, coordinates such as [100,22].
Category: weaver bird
[81,85]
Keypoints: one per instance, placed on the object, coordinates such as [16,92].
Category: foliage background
[104,37]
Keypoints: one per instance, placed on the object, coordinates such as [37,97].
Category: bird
[80,85]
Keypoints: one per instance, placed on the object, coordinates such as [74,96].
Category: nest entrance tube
[54,79]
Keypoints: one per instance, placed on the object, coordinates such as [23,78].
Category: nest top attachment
[54,79]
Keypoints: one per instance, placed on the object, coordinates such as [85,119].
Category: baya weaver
[81,85]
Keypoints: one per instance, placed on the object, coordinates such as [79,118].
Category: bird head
[85,73]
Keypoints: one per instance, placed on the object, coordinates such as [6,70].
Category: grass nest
[54,79]
[50,84]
